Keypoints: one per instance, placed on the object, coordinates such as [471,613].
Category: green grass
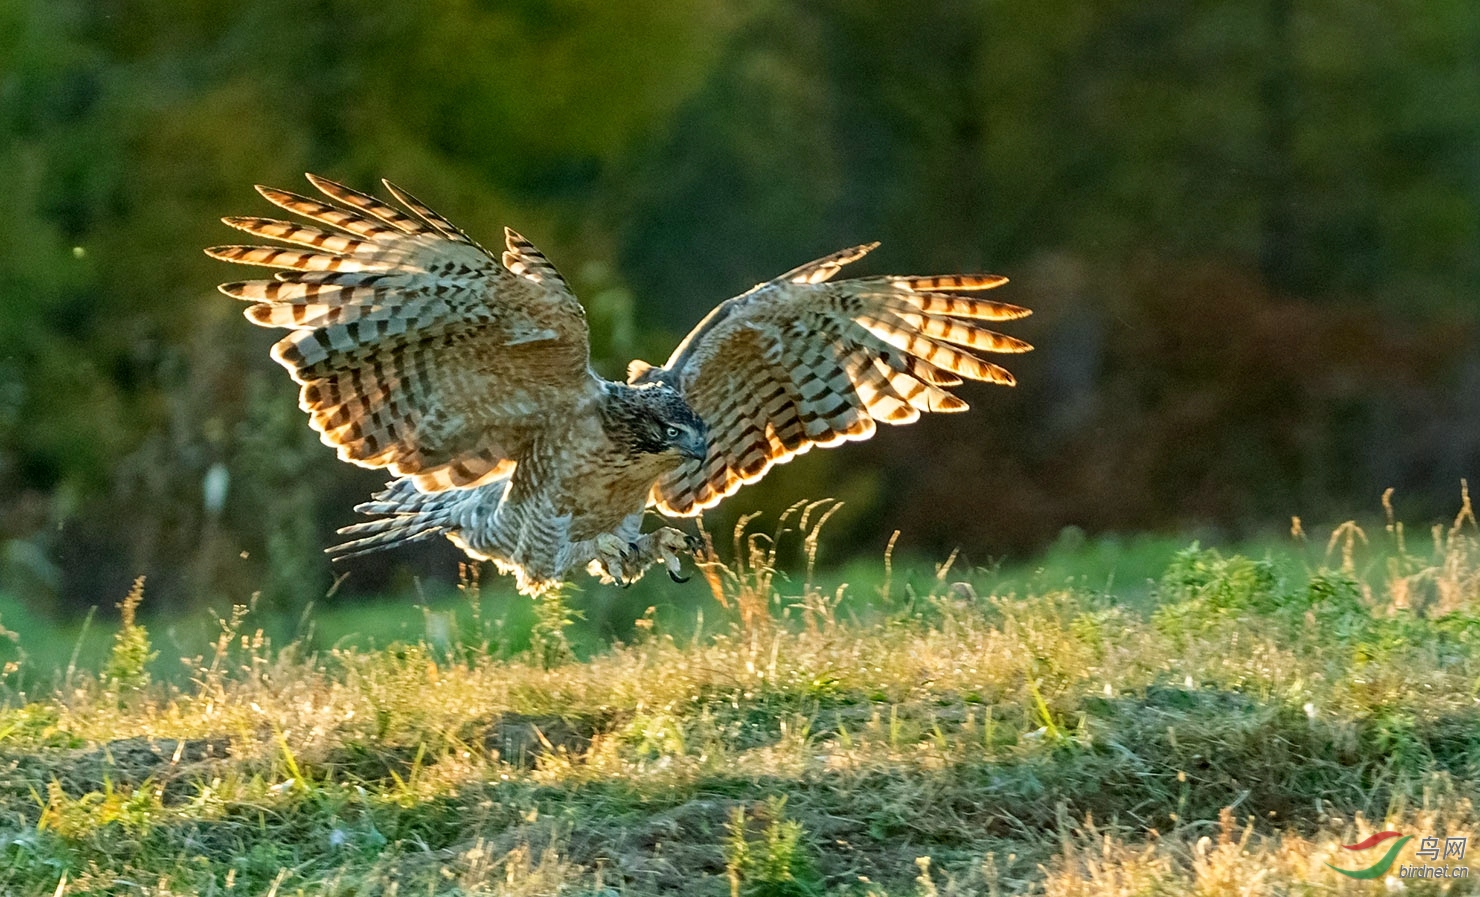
[1166,720]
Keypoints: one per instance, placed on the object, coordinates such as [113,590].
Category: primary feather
[467,376]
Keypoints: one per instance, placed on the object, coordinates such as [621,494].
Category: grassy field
[1122,718]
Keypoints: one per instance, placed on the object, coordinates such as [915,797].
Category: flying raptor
[467,375]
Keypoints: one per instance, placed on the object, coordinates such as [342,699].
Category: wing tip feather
[935,283]
[323,184]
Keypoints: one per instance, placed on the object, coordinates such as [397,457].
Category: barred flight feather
[523,259]
[965,307]
[824,268]
[421,210]
[369,205]
[299,235]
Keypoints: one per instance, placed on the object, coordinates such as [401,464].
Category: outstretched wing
[416,348]
[799,362]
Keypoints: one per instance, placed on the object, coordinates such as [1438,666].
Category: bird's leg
[615,560]
[663,546]
[610,558]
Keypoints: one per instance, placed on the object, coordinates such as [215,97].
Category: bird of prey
[466,374]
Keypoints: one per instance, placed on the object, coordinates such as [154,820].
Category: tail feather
[401,514]
[379,535]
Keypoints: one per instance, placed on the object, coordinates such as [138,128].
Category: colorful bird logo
[1379,868]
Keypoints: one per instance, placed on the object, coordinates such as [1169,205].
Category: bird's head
[659,422]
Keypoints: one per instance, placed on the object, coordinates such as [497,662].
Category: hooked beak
[695,447]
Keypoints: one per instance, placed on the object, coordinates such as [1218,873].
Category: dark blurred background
[1250,230]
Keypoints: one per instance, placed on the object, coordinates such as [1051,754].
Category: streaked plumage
[467,375]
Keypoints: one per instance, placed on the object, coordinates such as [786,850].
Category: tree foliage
[1252,232]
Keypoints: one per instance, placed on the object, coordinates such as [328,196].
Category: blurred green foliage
[1251,232]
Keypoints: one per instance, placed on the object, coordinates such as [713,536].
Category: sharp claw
[679,579]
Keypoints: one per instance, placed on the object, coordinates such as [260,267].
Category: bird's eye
[672,432]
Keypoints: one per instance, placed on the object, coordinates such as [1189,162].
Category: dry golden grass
[1222,738]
